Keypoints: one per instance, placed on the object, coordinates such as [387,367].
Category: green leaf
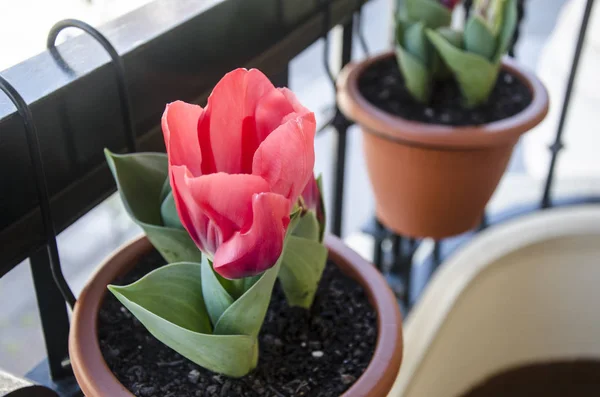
[175,245]
[169,303]
[140,178]
[294,219]
[417,77]
[168,213]
[430,12]
[479,39]
[441,71]
[401,26]
[416,43]
[250,281]
[308,227]
[166,189]
[173,292]
[454,37]
[247,313]
[215,295]
[302,268]
[475,75]
[507,31]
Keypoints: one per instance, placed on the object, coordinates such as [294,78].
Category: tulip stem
[237,287]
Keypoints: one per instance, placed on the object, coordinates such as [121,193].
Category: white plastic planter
[523,292]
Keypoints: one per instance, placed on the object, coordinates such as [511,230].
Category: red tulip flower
[450,3]
[237,167]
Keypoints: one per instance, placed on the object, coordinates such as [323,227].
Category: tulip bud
[491,12]
[450,4]
[313,201]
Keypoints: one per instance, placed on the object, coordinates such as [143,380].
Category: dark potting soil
[382,84]
[318,353]
[580,378]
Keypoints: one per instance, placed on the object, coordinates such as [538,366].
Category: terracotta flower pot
[97,380]
[433,180]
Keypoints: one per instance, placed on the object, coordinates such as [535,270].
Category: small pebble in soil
[193,376]
[348,379]
[319,353]
[382,84]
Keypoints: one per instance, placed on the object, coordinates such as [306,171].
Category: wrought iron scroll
[41,187]
[117,61]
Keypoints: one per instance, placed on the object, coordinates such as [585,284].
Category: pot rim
[378,122]
[96,379]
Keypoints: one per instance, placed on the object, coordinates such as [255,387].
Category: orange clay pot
[96,379]
[433,180]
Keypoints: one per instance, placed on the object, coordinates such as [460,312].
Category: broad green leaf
[308,227]
[140,178]
[169,303]
[247,313]
[401,27]
[215,295]
[175,245]
[295,218]
[417,77]
[229,285]
[301,270]
[454,37]
[507,31]
[168,213]
[441,71]
[173,292]
[166,189]
[475,75]
[250,281]
[416,43]
[479,39]
[430,12]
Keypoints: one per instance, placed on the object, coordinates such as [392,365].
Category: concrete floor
[93,237]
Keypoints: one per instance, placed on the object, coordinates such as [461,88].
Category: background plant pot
[433,180]
[97,380]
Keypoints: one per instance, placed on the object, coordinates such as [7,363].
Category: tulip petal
[275,108]
[257,249]
[179,125]
[228,125]
[215,205]
[293,100]
[287,157]
[270,113]
[205,233]
[227,198]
